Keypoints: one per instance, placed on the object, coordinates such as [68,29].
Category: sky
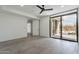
[69,19]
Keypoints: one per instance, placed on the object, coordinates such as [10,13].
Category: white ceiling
[33,10]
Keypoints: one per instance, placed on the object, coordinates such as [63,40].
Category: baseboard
[44,36]
[13,39]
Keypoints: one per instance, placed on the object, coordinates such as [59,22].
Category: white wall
[44,26]
[35,28]
[12,26]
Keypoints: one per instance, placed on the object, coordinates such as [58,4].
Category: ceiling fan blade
[48,9]
[41,11]
[39,7]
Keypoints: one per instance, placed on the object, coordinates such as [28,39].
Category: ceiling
[33,10]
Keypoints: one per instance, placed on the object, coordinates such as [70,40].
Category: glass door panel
[55,27]
[69,27]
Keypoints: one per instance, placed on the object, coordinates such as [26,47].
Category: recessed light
[21,5]
[62,6]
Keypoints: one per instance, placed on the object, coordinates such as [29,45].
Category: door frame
[61,26]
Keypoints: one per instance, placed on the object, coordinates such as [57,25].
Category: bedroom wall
[35,27]
[12,26]
[44,26]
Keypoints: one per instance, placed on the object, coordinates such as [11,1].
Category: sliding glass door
[65,27]
[55,27]
[69,27]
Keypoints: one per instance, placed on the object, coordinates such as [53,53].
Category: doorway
[65,27]
[29,28]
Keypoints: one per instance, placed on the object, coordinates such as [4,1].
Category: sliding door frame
[50,26]
[61,26]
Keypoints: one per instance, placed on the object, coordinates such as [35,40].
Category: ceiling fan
[43,8]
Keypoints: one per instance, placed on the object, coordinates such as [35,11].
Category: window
[65,27]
